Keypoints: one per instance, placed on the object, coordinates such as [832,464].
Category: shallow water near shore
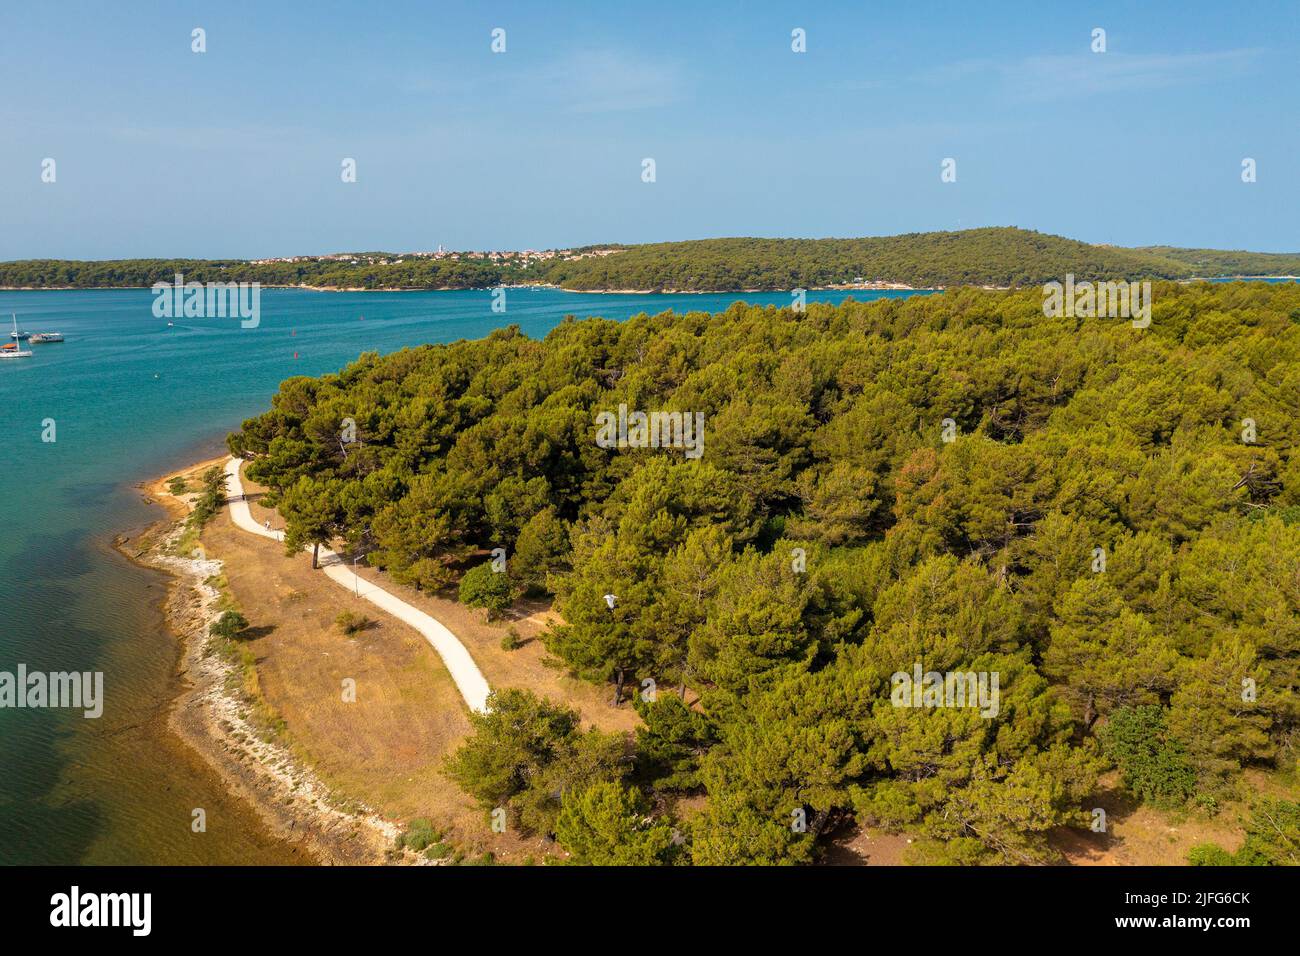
[130,399]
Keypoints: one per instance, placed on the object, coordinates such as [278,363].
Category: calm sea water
[131,399]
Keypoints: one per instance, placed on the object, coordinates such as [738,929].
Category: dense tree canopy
[1112,532]
[372,271]
[992,256]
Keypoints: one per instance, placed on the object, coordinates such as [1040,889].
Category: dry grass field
[387,748]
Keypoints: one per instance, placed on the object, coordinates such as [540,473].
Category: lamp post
[356,579]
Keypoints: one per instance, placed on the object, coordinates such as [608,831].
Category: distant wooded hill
[1000,256]
[997,257]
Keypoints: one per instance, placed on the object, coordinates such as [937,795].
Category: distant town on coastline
[997,256]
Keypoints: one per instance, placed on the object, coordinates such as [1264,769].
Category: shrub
[418,835]
[351,624]
[483,587]
[228,625]
[609,825]
[1153,764]
[1272,835]
[1272,839]
[1210,854]
[512,641]
[213,497]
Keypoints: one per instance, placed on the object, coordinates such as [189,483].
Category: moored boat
[11,349]
[40,337]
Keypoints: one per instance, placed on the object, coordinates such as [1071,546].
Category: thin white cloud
[595,81]
[606,81]
[1089,74]
[1060,76]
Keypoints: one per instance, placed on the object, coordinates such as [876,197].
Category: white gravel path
[469,679]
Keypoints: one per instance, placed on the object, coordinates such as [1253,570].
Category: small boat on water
[19,336]
[11,349]
[40,337]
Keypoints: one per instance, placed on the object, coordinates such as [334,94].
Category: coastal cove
[131,399]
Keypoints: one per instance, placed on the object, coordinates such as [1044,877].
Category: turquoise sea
[131,399]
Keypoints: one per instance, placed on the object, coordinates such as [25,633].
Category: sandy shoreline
[287,796]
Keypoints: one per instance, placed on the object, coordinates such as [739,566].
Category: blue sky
[237,151]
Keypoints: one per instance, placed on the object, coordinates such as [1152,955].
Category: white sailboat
[13,350]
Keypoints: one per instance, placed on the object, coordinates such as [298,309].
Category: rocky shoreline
[290,799]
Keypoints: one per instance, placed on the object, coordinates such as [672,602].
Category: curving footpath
[469,679]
